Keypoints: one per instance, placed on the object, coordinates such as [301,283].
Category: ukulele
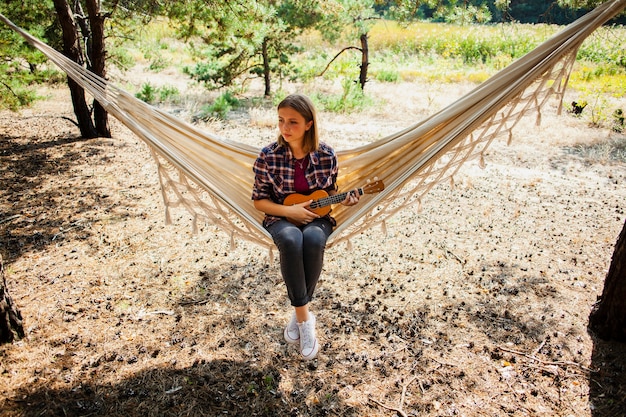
[322,201]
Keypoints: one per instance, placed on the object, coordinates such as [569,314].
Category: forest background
[222,45]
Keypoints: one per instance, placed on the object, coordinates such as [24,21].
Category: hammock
[211,177]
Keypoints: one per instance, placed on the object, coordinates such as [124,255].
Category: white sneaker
[292,333]
[308,341]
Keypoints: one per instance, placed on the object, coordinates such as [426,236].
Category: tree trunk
[608,317]
[71,49]
[97,53]
[11,326]
[266,69]
[365,56]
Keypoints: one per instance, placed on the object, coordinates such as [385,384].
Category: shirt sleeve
[262,187]
[331,168]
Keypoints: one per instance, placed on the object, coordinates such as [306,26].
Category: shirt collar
[313,156]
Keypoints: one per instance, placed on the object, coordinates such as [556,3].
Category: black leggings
[301,256]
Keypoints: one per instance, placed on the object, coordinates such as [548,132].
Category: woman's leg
[314,236]
[301,260]
[289,241]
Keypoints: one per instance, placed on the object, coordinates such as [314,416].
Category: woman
[297,163]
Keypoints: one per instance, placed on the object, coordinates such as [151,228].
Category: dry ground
[477,305]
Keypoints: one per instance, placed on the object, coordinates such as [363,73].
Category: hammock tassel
[419,205]
[349,245]
[383,226]
[452,182]
[194,225]
[271,255]
[233,244]
[481,162]
[168,217]
[510,140]
[538,122]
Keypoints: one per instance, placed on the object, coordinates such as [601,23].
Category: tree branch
[9,88]
[337,56]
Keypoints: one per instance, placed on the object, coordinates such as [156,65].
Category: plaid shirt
[274,171]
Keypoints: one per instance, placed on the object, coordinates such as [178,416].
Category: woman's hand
[351,198]
[299,214]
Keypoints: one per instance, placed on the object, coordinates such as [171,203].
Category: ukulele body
[321,201]
[293,199]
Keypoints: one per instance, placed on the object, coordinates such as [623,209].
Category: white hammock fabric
[212,177]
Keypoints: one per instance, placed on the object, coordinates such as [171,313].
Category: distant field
[435,52]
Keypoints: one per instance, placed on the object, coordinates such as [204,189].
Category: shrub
[13,97]
[351,99]
[387,75]
[168,93]
[147,93]
[220,107]
[151,94]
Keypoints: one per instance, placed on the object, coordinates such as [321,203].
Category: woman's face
[292,125]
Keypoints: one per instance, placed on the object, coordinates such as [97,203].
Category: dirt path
[476,305]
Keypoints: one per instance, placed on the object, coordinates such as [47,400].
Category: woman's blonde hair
[304,106]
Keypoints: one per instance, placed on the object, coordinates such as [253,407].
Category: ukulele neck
[333,199]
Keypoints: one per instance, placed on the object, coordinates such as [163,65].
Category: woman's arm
[297,214]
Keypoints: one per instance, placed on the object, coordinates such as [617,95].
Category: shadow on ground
[607,385]
[220,387]
[45,200]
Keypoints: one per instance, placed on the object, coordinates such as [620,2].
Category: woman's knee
[289,238]
[314,236]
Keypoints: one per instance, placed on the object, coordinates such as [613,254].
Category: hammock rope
[211,177]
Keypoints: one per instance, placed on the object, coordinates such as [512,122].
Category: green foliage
[18,82]
[454,53]
[168,94]
[220,107]
[22,66]
[464,15]
[238,39]
[153,53]
[486,11]
[225,42]
[387,75]
[147,93]
[278,97]
[352,99]
[472,44]
[120,57]
[158,64]
[605,45]
[13,96]
[598,100]
[346,19]
[153,95]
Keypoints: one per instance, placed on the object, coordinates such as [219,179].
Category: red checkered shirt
[274,171]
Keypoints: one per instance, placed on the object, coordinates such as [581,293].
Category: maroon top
[300,182]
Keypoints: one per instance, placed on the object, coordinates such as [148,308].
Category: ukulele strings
[332,199]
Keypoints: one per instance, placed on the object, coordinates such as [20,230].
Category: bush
[147,93]
[387,75]
[351,99]
[220,107]
[153,95]
[18,87]
[14,97]
[168,93]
